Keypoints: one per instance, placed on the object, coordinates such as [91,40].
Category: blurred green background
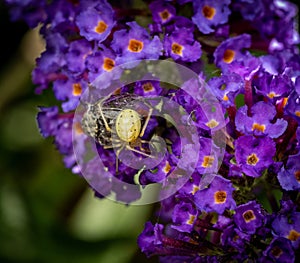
[48,214]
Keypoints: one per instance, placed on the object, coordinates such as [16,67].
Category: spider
[114,123]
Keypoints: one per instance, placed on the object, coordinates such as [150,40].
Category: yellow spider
[115,123]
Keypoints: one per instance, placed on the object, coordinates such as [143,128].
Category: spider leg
[104,119]
[119,145]
[137,151]
[144,141]
[111,146]
[146,122]
[114,140]
[117,156]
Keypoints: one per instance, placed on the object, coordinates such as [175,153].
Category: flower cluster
[240,202]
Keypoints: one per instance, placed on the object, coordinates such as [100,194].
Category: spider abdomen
[128,125]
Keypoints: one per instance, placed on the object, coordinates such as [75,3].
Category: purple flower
[148,88]
[149,239]
[279,250]
[283,28]
[160,172]
[183,98]
[210,116]
[254,155]
[76,56]
[98,178]
[288,228]
[181,45]
[51,123]
[273,87]
[226,88]
[32,11]
[99,62]
[155,29]
[96,22]
[222,31]
[261,122]
[297,85]
[298,138]
[293,106]
[61,13]
[136,44]
[190,94]
[49,64]
[286,207]
[233,237]
[180,23]
[231,50]
[217,197]
[272,65]
[191,186]
[52,59]
[208,157]
[162,12]
[201,105]
[184,216]
[289,175]
[48,120]
[70,91]
[124,194]
[250,9]
[209,14]
[246,67]
[109,159]
[248,217]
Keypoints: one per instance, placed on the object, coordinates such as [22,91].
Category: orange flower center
[272,94]
[228,56]
[258,127]
[164,15]
[297,175]
[293,235]
[177,49]
[101,27]
[108,64]
[220,197]
[77,89]
[212,123]
[208,161]
[147,87]
[249,216]
[167,167]
[252,159]
[135,45]
[195,189]
[276,251]
[191,220]
[208,12]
